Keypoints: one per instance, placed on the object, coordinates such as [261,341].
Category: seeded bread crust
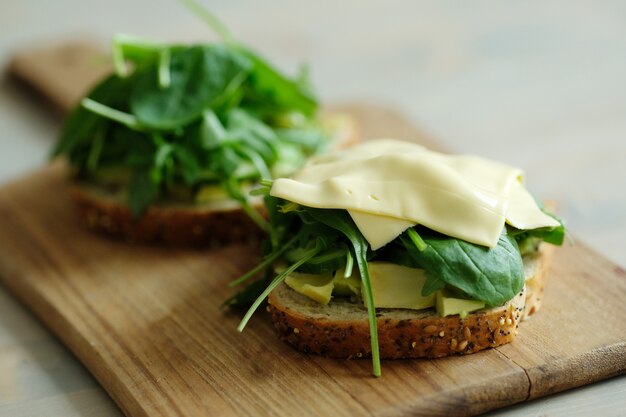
[341,329]
[183,224]
[175,225]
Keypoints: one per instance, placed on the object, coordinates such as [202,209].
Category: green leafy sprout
[173,119]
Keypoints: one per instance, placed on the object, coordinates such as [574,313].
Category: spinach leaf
[553,235]
[200,77]
[310,139]
[270,89]
[188,164]
[493,275]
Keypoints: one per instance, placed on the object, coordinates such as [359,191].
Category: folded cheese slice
[389,185]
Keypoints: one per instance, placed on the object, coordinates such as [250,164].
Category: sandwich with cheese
[390,250]
[167,147]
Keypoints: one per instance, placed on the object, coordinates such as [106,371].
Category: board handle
[63,72]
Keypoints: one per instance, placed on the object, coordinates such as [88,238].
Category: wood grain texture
[146,321]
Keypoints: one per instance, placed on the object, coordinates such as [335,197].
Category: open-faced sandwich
[387,249]
[168,146]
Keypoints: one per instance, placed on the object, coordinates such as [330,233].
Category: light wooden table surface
[538,85]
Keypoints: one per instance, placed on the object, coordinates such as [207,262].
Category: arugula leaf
[82,123]
[208,18]
[253,132]
[246,297]
[234,190]
[266,263]
[139,51]
[330,260]
[277,281]
[340,220]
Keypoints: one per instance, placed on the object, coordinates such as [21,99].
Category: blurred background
[541,85]
[538,85]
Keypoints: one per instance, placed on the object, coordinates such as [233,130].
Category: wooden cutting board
[146,321]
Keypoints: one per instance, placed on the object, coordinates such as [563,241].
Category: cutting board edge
[476,402]
[601,363]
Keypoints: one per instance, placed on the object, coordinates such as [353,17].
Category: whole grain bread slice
[341,328]
[211,224]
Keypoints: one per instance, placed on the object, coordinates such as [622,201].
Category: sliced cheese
[388,185]
[523,211]
[379,230]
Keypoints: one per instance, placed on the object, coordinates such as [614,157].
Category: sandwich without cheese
[168,146]
[387,249]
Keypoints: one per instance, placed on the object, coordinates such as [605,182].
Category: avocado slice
[347,286]
[448,305]
[208,193]
[318,287]
[111,176]
[397,286]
